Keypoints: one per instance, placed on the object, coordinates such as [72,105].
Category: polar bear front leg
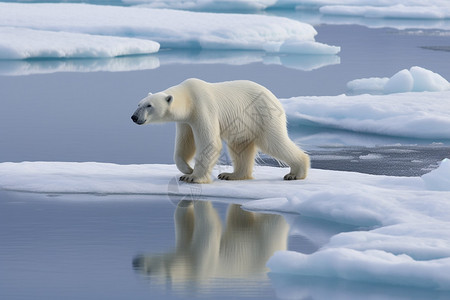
[208,145]
[184,148]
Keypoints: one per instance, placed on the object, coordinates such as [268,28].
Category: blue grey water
[91,247]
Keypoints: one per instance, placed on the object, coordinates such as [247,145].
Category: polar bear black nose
[134,118]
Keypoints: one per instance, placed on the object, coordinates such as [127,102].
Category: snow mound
[169,28]
[416,79]
[23,43]
[412,115]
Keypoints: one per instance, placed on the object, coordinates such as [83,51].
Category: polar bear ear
[150,93]
[169,99]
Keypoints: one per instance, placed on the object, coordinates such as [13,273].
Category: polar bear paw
[290,176]
[232,176]
[194,179]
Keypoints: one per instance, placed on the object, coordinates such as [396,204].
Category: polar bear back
[243,109]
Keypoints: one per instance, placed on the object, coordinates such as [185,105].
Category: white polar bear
[244,114]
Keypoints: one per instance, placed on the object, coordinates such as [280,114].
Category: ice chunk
[372,85]
[23,43]
[401,82]
[426,80]
[170,28]
[416,79]
[439,179]
[308,47]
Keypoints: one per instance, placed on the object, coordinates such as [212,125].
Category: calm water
[124,247]
[116,247]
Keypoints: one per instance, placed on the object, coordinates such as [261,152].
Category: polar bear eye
[149,105]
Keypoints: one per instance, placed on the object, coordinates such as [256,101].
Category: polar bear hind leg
[243,158]
[284,149]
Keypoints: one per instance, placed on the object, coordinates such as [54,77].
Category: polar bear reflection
[204,251]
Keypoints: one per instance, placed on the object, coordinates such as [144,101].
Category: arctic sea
[97,245]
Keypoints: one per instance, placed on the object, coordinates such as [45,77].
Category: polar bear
[244,114]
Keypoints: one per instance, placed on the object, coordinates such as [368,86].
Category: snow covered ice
[23,43]
[416,115]
[390,11]
[400,9]
[100,24]
[250,5]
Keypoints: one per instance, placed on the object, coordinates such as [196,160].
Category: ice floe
[169,28]
[399,11]
[206,5]
[416,79]
[406,221]
[250,5]
[423,115]
[23,43]
[374,266]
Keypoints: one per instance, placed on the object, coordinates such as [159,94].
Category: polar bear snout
[136,119]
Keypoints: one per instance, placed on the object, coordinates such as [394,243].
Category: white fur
[246,115]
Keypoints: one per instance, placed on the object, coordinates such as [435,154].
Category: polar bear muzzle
[136,120]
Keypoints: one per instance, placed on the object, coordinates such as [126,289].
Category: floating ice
[206,5]
[416,79]
[413,115]
[252,5]
[372,266]
[439,179]
[170,28]
[305,47]
[373,85]
[371,200]
[22,43]
[407,221]
[390,11]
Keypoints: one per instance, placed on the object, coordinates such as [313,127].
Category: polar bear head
[153,108]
